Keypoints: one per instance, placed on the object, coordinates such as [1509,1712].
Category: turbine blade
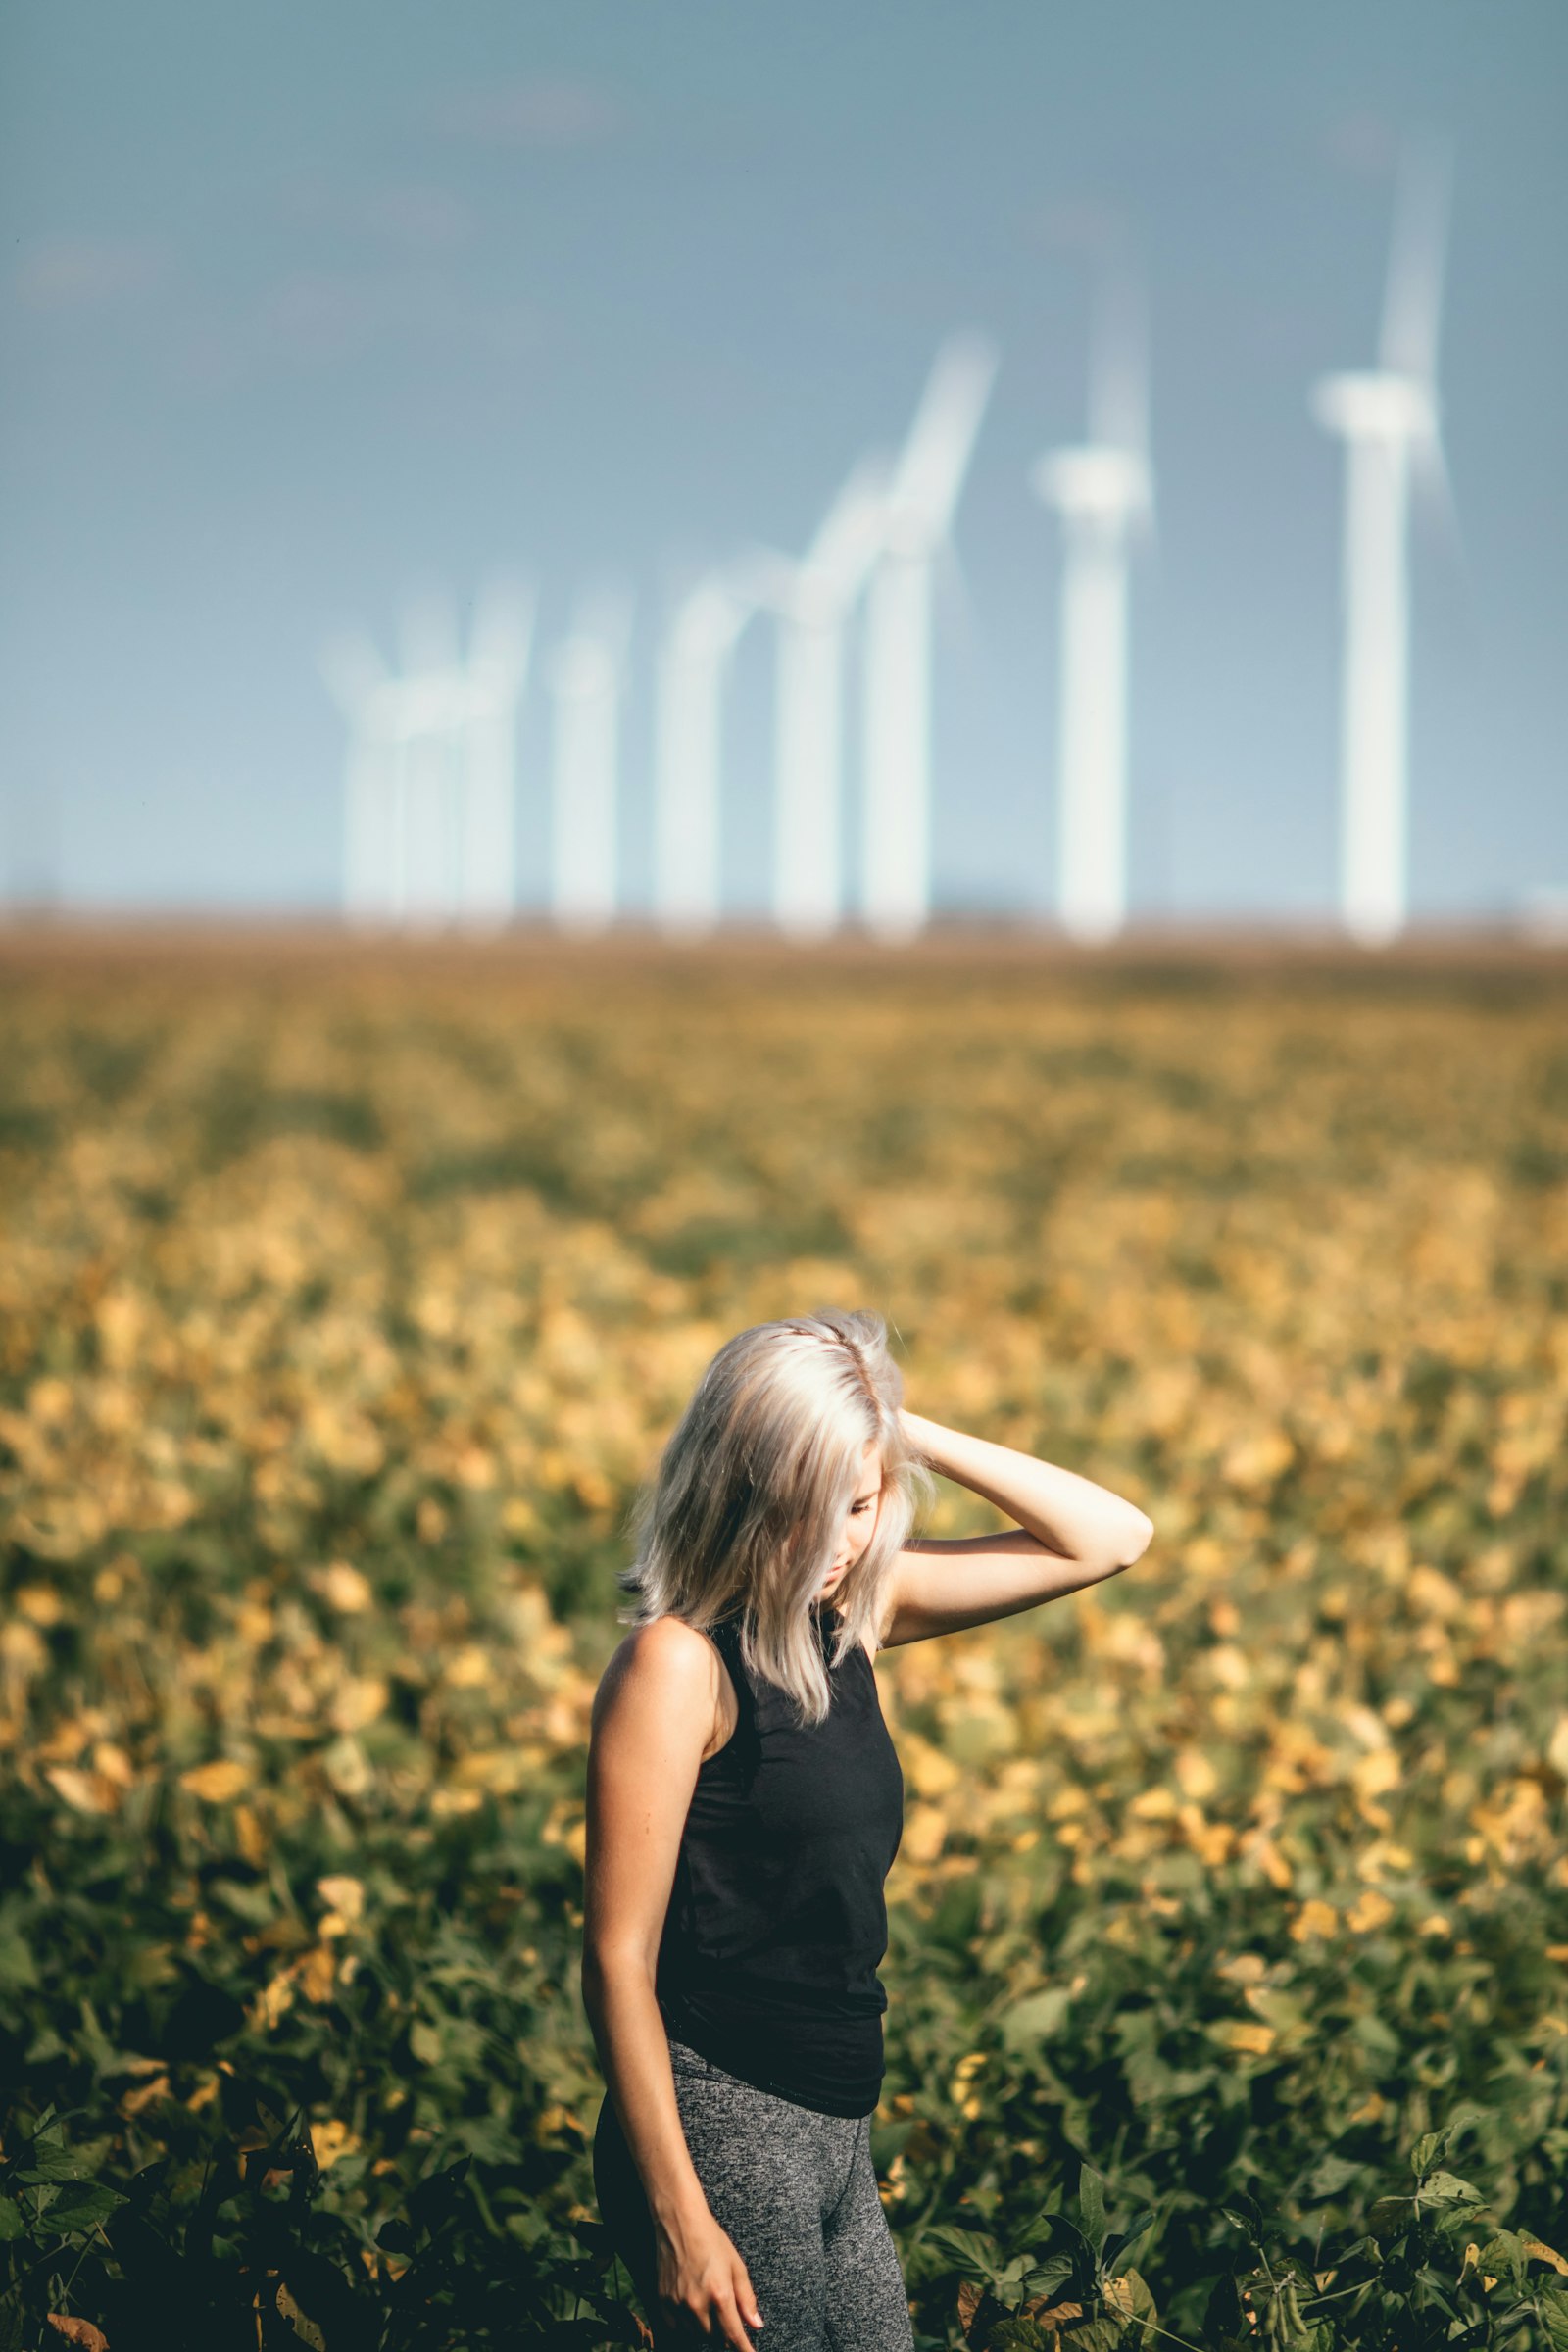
[427,638]
[351,667]
[1429,472]
[846,545]
[502,636]
[936,456]
[1118,366]
[1412,300]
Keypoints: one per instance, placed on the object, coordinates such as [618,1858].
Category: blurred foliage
[340,1313]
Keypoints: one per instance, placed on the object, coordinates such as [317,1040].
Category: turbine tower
[499,649]
[427,751]
[896,856]
[1388,420]
[814,600]
[358,682]
[1104,492]
[585,684]
[687,751]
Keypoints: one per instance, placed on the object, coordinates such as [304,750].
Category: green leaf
[1391,2217]
[255,1905]
[1036,2019]
[1244,2213]
[425,2043]
[977,2256]
[1445,2189]
[80,2206]
[12,2221]
[19,1970]
[1426,2151]
[1552,2305]
[1022,2334]
[50,2161]
[1503,2257]
[1092,2205]
[1046,2277]
[1330,2175]
[1119,2245]
[1047,2226]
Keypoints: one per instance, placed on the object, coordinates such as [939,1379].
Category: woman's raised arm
[1070,1533]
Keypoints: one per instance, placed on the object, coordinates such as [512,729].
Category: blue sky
[307,305]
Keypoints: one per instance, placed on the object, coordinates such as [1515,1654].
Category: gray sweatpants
[794,2190]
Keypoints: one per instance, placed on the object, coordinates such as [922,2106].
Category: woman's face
[860,1521]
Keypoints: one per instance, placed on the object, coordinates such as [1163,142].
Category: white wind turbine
[687,750]
[1104,492]
[1388,420]
[430,783]
[427,754]
[499,649]
[362,688]
[896,857]
[585,684]
[814,600]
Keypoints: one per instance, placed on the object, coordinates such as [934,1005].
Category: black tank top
[776,1922]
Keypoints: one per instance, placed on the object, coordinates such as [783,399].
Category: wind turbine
[1388,420]
[895,861]
[585,684]
[429,782]
[1103,491]
[358,680]
[428,750]
[499,649]
[814,600]
[687,759]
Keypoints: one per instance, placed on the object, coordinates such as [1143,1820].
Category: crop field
[344,1303]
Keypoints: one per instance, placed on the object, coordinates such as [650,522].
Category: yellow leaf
[1314,1918]
[217,1782]
[1370,1910]
[1241,2033]
[84,1791]
[344,1587]
[318,1974]
[925,1833]
[344,1895]
[39,1602]
[331,2141]
[144,2094]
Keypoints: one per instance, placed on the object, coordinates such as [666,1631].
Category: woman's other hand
[704,2286]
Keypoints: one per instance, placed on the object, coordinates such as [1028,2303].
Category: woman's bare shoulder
[665,1664]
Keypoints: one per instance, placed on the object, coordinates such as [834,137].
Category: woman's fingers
[745,2298]
[730,2328]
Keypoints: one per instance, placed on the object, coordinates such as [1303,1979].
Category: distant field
[344,1299]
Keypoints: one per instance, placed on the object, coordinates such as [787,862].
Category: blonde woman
[745,1804]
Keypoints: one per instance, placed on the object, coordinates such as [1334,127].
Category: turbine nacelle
[1096,483]
[1376,405]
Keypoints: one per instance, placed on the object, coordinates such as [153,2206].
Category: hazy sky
[305,304]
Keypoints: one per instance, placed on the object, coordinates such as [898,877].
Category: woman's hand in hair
[1069,1515]
[1068,1533]
[704,2286]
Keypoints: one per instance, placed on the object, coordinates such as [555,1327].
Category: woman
[745,1804]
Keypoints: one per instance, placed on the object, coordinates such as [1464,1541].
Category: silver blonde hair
[749,1500]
